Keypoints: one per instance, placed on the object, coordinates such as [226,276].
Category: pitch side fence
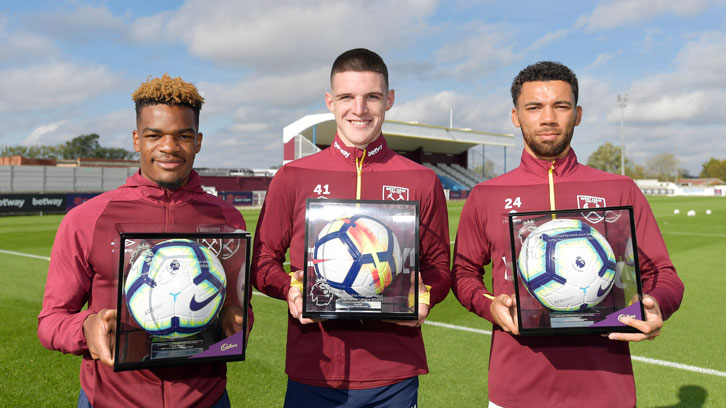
[52,179]
[26,190]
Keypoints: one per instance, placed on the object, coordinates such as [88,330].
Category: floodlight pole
[483,161]
[622,102]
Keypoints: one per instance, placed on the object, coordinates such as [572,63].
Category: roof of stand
[403,136]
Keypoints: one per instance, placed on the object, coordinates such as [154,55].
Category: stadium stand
[469,172]
[444,149]
[449,182]
[462,178]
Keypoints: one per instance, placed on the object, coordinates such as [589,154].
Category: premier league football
[567,265]
[357,257]
[175,289]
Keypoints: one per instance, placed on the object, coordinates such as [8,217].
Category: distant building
[79,162]
[655,187]
[700,182]
[24,161]
[694,187]
[91,162]
[91,176]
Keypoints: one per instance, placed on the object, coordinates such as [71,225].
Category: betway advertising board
[32,203]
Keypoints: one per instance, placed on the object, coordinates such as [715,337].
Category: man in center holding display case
[351,362]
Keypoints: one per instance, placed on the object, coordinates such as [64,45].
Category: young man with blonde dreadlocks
[83,266]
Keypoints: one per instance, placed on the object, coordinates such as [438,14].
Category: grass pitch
[684,367]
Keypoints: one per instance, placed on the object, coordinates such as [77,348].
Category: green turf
[33,376]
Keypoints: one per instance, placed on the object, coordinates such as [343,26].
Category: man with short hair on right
[589,370]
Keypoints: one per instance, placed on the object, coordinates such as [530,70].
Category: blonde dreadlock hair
[168,91]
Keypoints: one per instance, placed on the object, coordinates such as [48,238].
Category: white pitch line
[461,328]
[45,258]
[698,234]
[647,360]
[679,366]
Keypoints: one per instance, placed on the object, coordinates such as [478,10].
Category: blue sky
[69,67]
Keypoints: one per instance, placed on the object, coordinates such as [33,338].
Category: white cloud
[489,113]
[676,111]
[81,24]
[257,146]
[35,136]
[549,38]
[114,129]
[686,143]
[616,13]
[702,61]
[279,90]
[283,34]
[254,110]
[651,34]
[693,106]
[428,109]
[603,58]
[51,85]
[23,47]
[691,93]
[250,127]
[486,50]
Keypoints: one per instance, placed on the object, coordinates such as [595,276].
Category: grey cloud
[616,13]
[52,85]
[280,36]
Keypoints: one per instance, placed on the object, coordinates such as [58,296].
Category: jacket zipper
[359,171]
[167,210]
[552,187]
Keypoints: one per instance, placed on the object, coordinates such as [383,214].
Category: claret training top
[554,371]
[84,269]
[351,354]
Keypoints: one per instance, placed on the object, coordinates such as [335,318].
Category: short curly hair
[168,91]
[359,60]
[543,71]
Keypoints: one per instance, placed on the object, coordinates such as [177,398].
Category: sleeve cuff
[294,283]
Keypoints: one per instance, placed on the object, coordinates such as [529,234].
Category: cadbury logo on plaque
[227,346]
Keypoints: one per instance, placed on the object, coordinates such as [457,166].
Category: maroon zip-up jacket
[350,354]
[84,268]
[554,371]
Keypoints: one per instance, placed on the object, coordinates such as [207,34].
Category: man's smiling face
[359,101]
[167,141]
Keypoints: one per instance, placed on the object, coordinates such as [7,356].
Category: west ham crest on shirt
[586,201]
[395,193]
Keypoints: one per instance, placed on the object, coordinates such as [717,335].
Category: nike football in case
[575,271]
[177,292]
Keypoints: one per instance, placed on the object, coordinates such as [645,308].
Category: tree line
[83,146]
[662,166]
